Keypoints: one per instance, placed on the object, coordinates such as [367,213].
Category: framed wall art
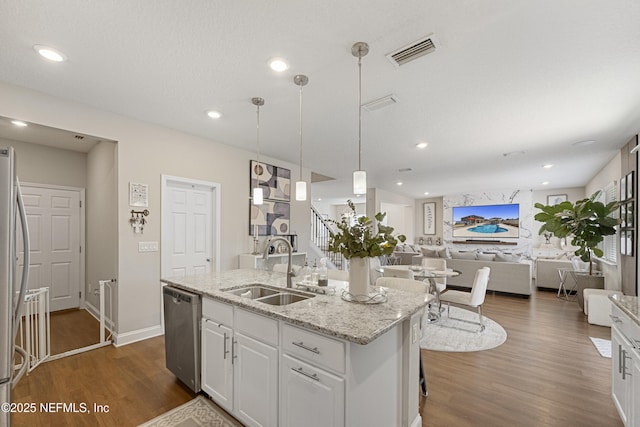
[269,219]
[138,194]
[623,188]
[274,180]
[630,185]
[429,209]
[556,199]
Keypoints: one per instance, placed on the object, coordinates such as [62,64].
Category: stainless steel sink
[284,298]
[254,292]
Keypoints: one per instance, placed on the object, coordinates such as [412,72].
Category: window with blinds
[609,245]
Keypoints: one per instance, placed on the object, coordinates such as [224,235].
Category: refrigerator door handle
[26,257]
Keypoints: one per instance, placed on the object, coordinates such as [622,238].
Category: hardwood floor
[548,373]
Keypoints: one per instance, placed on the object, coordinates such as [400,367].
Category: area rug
[198,412]
[603,346]
[459,332]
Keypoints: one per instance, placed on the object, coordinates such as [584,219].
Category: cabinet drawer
[626,325]
[257,326]
[217,311]
[315,348]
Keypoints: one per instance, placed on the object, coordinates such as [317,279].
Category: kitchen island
[320,361]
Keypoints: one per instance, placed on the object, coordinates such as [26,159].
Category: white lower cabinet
[625,367]
[217,367]
[309,396]
[239,372]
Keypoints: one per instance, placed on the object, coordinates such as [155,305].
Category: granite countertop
[328,314]
[630,305]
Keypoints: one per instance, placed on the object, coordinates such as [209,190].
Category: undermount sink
[254,292]
[268,295]
[284,299]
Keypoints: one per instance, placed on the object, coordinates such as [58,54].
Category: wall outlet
[147,246]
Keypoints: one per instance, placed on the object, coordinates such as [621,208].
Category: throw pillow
[443,253]
[500,257]
[429,253]
[485,257]
[463,255]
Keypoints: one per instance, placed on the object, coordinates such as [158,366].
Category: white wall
[573,195]
[145,152]
[402,218]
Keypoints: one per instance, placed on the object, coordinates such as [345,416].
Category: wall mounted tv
[487,221]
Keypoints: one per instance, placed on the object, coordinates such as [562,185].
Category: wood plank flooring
[548,373]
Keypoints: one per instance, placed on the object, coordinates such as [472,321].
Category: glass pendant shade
[301,190]
[359,182]
[257,196]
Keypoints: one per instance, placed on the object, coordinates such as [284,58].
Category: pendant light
[301,186]
[359,50]
[256,193]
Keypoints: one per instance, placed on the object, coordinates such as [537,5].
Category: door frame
[215,223]
[83,244]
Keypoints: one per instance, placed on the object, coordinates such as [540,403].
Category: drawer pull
[301,371]
[225,351]
[616,319]
[301,345]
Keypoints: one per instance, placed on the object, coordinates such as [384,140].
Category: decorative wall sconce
[137,220]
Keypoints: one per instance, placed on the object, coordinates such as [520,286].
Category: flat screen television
[487,221]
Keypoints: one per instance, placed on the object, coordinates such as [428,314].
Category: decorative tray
[377,295]
[329,290]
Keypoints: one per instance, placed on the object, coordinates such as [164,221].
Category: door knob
[208,259]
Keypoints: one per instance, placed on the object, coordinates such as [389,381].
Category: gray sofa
[509,277]
[547,272]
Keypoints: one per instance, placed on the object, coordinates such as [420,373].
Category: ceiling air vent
[379,103]
[413,51]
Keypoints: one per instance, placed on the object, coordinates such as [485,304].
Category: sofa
[547,275]
[508,277]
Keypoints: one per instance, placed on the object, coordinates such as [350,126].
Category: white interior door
[189,227]
[53,217]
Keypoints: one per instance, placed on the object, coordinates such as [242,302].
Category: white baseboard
[137,335]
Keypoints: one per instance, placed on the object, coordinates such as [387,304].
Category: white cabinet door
[255,382]
[217,367]
[634,409]
[620,380]
[309,396]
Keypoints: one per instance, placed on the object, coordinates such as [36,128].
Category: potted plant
[360,241]
[586,222]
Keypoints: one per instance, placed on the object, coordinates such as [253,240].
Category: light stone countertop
[630,305]
[328,314]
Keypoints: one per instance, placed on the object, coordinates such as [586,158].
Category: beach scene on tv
[487,222]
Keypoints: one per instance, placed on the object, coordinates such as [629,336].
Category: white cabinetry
[310,395]
[257,262]
[625,345]
[240,362]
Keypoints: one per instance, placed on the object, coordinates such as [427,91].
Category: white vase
[359,276]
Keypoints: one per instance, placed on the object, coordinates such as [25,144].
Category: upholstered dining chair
[338,275]
[475,298]
[399,272]
[407,285]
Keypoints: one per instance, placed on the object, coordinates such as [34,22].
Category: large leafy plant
[364,238]
[587,222]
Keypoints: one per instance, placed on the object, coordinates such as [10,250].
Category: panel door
[189,210]
[53,217]
[255,382]
[309,396]
[217,368]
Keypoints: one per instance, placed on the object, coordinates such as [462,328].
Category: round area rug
[460,332]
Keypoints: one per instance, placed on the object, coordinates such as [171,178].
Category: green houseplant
[586,221]
[359,242]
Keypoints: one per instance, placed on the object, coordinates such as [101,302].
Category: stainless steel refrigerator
[12,216]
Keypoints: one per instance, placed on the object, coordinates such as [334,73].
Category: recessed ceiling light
[399,183]
[50,53]
[422,145]
[426,193]
[19,123]
[545,183]
[582,143]
[319,199]
[278,64]
[214,114]
[547,166]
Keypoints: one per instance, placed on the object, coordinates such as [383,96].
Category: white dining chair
[399,272]
[475,298]
[440,282]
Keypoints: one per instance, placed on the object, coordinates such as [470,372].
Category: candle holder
[255,246]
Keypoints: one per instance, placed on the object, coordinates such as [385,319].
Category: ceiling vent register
[379,103]
[413,51]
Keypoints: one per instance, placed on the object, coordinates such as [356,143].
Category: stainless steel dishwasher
[182,314]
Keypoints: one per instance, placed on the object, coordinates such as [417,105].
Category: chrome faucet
[265,256]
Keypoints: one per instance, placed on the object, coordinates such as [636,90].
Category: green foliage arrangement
[587,222]
[360,240]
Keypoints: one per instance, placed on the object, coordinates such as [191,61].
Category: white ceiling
[524,77]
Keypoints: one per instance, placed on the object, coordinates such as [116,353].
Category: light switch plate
[147,246]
